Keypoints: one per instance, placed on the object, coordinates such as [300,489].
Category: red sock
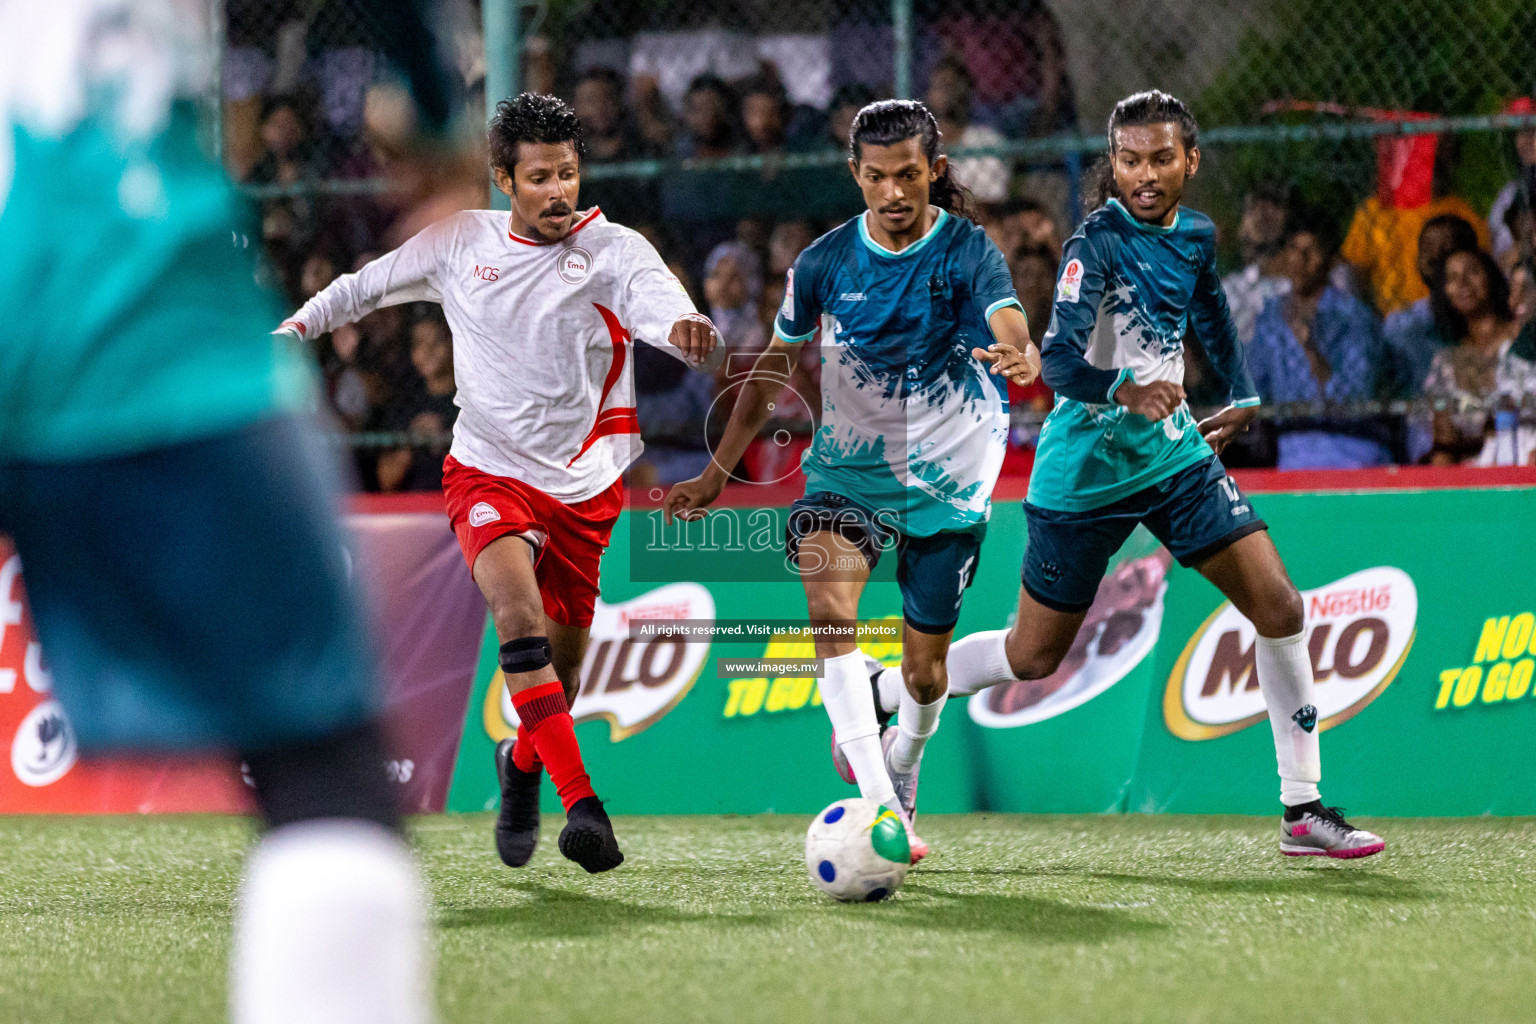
[543,712]
[524,757]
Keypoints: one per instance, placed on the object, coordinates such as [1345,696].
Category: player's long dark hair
[887,122]
[531,117]
[1143,108]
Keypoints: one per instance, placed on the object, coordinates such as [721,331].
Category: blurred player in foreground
[912,437]
[175,505]
[1121,448]
[543,304]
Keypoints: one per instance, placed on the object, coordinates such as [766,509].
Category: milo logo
[1359,630]
[630,683]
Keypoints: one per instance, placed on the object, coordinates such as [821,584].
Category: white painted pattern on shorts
[483,513]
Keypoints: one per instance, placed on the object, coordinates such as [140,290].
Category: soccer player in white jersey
[914,424]
[544,304]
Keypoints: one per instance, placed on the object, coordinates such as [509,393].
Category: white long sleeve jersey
[541,338]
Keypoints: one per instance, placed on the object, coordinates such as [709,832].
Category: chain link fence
[723,123]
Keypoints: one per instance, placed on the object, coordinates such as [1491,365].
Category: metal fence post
[901,22]
[216,71]
[503,64]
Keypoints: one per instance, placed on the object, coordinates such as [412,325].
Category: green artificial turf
[1013,918]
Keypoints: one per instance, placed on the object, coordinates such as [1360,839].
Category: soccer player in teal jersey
[1120,448]
[913,430]
[175,506]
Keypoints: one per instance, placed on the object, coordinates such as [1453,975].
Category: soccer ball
[857,851]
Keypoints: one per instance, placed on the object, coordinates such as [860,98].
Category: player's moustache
[558,210]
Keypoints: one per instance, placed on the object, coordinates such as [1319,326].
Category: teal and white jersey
[132,316]
[913,426]
[1126,295]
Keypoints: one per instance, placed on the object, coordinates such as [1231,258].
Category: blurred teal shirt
[132,318]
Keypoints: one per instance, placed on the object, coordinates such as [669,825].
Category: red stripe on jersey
[578,226]
[621,419]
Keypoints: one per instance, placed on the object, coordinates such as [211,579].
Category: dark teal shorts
[195,596]
[1195,513]
[933,572]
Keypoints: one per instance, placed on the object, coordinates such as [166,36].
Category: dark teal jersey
[911,421]
[1127,295]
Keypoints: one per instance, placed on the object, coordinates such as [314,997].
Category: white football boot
[1322,832]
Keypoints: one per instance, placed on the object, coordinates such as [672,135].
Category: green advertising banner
[1421,618]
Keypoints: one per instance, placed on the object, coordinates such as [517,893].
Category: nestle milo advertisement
[1421,626]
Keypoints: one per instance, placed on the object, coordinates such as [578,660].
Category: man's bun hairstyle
[887,122]
[530,117]
[1154,107]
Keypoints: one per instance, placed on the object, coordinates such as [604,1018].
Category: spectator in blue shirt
[1318,344]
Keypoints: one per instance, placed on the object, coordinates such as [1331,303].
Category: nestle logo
[1359,630]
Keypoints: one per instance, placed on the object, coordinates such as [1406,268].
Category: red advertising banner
[428,617]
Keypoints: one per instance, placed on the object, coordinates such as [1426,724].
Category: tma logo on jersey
[630,683]
[1359,631]
[1502,665]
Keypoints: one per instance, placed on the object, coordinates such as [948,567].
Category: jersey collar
[1155,229]
[593,214]
[938,224]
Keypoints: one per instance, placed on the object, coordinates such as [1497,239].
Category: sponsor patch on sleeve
[1071,281]
[787,311]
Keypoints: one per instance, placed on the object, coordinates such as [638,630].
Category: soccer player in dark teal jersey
[174,504]
[924,328]
[1121,449]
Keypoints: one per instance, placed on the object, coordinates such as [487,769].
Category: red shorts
[570,539]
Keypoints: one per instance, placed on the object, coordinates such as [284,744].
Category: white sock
[892,687]
[977,661]
[330,928]
[916,724]
[1285,680]
[846,695]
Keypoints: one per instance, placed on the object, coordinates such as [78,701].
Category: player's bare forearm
[688,499]
[751,411]
[1013,354]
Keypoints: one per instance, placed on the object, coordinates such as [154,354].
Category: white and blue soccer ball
[857,851]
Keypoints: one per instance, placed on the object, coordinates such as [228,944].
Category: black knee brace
[525,654]
[337,776]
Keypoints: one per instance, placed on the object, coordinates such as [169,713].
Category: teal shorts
[194,596]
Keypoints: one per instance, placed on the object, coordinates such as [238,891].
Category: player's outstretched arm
[1013,354]
[404,275]
[688,499]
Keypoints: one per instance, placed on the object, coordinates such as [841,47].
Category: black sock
[1295,813]
[336,776]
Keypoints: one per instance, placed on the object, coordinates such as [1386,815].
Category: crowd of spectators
[1428,300]
[1425,302]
